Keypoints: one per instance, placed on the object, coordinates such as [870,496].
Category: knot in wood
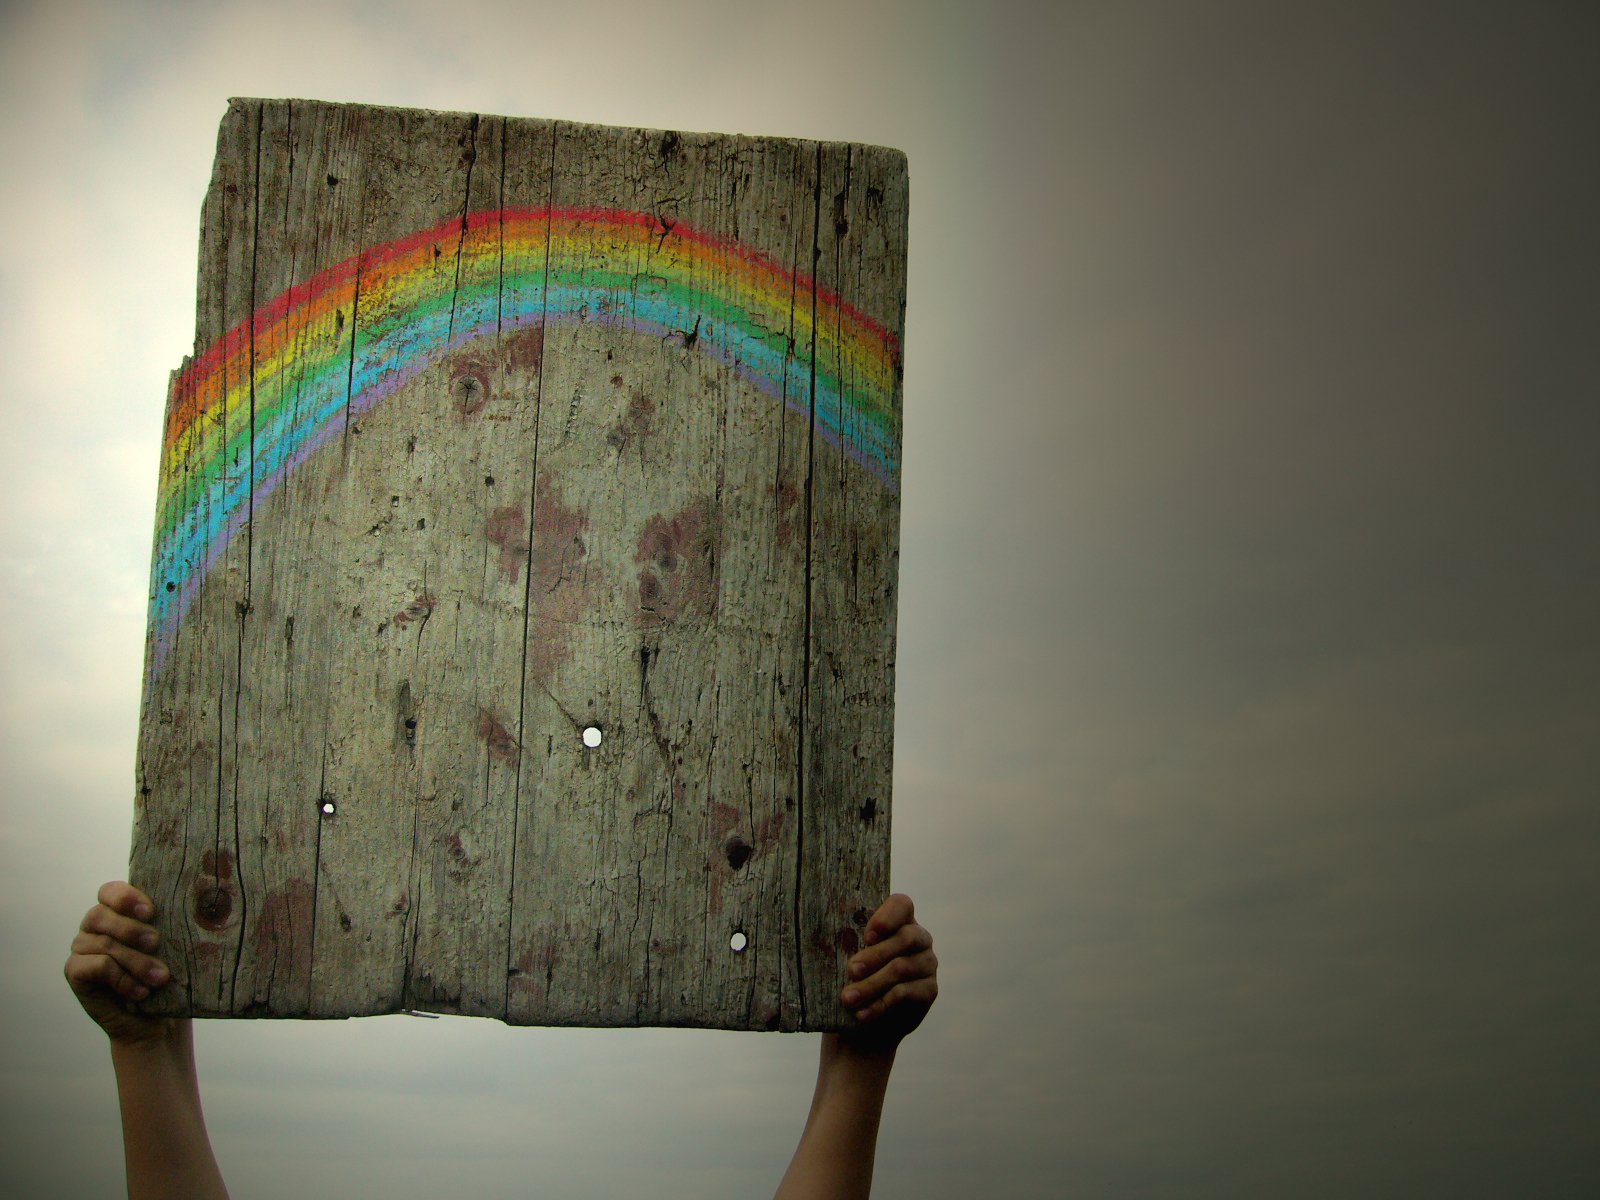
[469,386]
[213,905]
[738,851]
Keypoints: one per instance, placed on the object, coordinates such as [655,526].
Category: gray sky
[1248,740]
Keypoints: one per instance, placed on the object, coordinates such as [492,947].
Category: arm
[165,1145]
[894,982]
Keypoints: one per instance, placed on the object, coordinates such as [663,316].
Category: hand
[110,964]
[894,979]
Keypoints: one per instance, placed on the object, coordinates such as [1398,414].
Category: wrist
[847,1060]
[170,1042]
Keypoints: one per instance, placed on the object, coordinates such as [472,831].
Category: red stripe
[236,339]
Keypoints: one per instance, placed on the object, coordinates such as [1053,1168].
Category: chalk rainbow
[253,406]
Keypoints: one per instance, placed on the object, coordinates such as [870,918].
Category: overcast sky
[1248,735]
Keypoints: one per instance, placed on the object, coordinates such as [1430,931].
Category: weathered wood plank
[540,435]
[849,718]
[405,768]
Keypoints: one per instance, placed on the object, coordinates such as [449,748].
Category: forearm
[166,1148]
[836,1152]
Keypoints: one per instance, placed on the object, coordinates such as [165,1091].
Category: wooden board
[503,437]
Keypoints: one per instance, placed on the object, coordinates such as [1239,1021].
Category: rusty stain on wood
[521,634]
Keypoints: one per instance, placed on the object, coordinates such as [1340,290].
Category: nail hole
[592,736]
[738,942]
[328,808]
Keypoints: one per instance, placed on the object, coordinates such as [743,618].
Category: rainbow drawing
[253,406]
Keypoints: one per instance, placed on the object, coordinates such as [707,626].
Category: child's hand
[110,963]
[894,979]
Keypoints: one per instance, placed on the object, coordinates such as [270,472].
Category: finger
[908,939]
[91,973]
[142,966]
[126,899]
[904,969]
[916,993]
[894,912]
[126,930]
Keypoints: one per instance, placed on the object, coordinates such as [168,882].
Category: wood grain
[498,431]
